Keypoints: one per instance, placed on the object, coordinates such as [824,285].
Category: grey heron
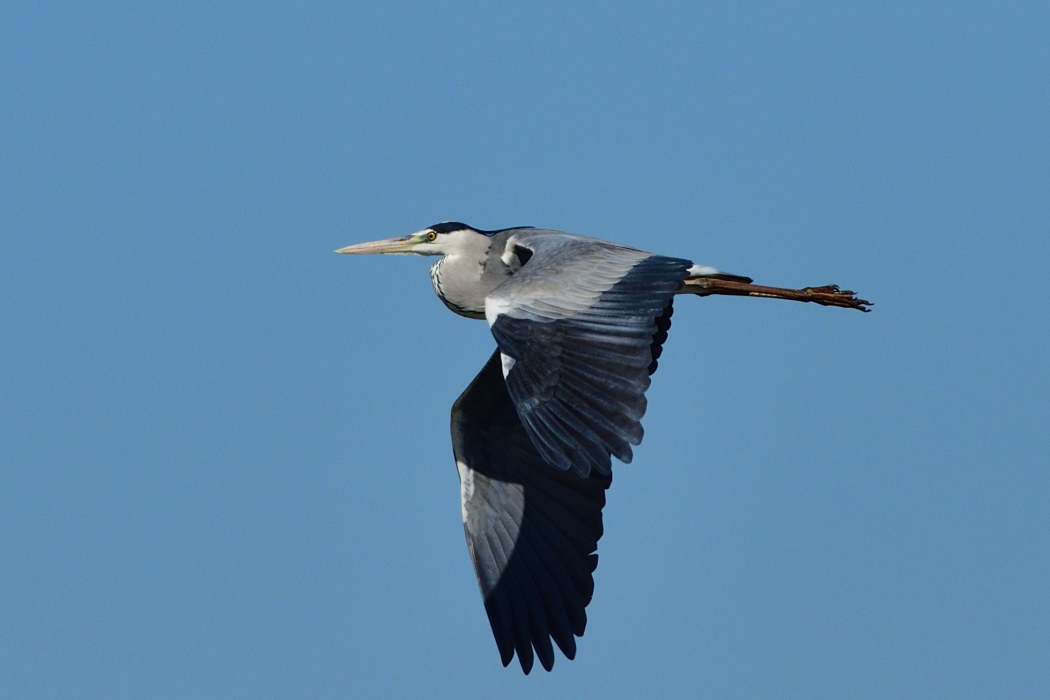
[579,325]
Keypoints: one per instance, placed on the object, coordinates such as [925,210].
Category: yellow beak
[403,244]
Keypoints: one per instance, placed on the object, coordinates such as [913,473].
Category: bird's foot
[831,295]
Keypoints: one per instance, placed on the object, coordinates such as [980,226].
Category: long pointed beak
[403,244]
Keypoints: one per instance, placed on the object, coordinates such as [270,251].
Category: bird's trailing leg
[829,295]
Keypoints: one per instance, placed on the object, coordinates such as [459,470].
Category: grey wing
[580,327]
[532,530]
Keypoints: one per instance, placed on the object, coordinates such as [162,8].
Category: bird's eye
[431,236]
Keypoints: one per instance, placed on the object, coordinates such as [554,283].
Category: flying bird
[579,325]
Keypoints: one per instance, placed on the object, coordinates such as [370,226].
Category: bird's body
[579,323]
[479,262]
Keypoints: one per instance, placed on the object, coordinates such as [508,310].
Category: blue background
[225,468]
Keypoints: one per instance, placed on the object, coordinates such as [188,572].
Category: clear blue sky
[225,468]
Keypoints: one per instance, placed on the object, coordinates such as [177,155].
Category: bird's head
[446,238]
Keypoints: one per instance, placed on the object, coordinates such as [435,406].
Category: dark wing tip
[545,651]
[532,529]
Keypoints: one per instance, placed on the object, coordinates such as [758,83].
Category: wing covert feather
[580,327]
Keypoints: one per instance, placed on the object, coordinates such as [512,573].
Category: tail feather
[708,272]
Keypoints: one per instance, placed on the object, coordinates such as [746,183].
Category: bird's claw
[831,295]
